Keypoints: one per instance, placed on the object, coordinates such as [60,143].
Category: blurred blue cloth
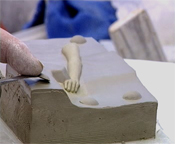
[66,18]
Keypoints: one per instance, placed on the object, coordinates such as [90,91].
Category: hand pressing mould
[17,55]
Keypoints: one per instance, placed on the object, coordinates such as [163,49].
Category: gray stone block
[111,105]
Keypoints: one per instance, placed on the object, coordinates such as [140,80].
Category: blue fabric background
[66,18]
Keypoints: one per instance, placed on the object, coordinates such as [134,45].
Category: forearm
[74,66]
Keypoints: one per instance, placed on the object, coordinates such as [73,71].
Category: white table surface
[159,79]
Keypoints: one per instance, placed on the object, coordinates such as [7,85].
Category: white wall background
[14,13]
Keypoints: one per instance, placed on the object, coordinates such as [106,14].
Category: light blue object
[65,18]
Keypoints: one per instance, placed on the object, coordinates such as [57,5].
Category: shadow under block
[135,38]
[111,105]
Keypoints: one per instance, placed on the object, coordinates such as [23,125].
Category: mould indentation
[60,75]
[78,39]
[89,101]
[132,95]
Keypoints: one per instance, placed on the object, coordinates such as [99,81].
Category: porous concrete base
[55,119]
[110,106]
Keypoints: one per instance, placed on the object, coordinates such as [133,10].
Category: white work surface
[159,79]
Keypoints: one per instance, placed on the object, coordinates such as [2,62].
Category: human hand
[71,85]
[17,55]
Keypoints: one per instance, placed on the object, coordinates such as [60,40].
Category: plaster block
[111,105]
[134,37]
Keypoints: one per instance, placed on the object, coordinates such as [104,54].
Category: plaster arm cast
[74,66]
[17,55]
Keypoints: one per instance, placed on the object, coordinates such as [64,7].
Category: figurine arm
[74,67]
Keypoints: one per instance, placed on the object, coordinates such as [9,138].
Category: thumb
[17,55]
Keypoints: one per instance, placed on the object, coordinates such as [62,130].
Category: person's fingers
[65,84]
[73,87]
[76,87]
[69,85]
[17,55]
